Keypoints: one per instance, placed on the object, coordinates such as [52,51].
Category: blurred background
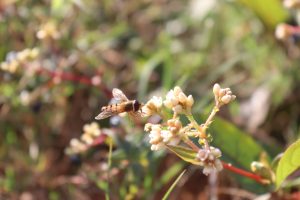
[61,58]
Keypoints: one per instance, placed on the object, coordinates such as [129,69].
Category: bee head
[136,105]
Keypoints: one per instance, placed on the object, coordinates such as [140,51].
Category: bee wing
[104,114]
[119,95]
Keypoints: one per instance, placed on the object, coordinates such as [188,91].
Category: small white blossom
[178,101]
[174,125]
[155,135]
[159,137]
[92,129]
[88,139]
[153,106]
[166,135]
[210,159]
[90,133]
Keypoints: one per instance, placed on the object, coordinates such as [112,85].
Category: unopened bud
[216,89]
[190,101]
[226,99]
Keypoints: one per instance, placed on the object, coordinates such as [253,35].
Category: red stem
[75,78]
[242,172]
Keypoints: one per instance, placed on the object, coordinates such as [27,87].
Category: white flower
[155,135]
[92,129]
[222,96]
[174,125]
[178,101]
[202,154]
[166,135]
[153,106]
[159,137]
[209,159]
[86,138]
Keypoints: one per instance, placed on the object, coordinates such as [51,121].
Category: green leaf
[238,148]
[270,11]
[173,186]
[185,154]
[288,163]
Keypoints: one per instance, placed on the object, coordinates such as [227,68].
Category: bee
[132,107]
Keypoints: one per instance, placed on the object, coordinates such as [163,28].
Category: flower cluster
[171,132]
[153,106]
[222,95]
[159,136]
[178,101]
[209,159]
[90,133]
[48,30]
[15,59]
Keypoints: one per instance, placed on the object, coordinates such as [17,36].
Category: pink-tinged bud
[222,92]
[226,99]
[216,89]
[216,152]
[282,32]
[202,154]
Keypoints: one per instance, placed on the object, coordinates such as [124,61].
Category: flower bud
[222,92]
[226,99]
[216,89]
[190,101]
[182,97]
[177,90]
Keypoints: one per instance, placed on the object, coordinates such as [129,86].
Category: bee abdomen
[111,108]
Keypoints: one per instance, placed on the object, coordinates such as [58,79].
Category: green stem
[202,133]
[210,118]
[194,123]
[109,165]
